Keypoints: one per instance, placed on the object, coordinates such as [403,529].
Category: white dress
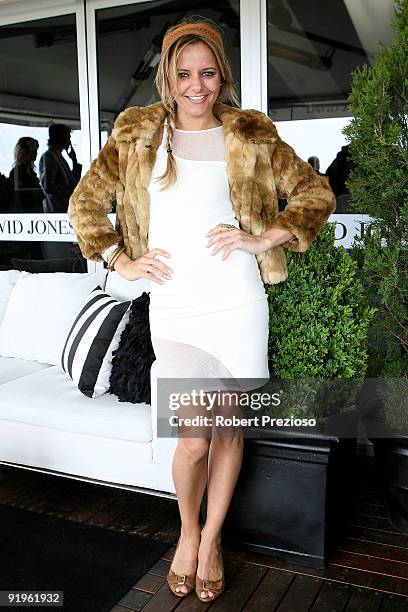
[210,320]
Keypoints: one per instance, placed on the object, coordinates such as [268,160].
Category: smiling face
[198,82]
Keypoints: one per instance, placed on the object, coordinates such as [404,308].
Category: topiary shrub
[378,135]
[318,330]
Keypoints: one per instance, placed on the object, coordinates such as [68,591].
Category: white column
[251,15]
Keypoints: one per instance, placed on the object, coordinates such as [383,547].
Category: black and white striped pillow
[94,335]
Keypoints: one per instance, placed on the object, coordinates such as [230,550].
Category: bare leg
[190,477]
[225,460]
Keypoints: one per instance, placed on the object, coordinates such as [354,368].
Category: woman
[196,185]
[28,194]
[27,189]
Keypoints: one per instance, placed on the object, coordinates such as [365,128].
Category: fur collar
[143,122]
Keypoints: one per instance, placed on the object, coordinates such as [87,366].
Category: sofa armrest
[162,448]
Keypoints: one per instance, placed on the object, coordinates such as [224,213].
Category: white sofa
[46,424]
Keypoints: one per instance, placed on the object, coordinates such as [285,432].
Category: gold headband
[192,28]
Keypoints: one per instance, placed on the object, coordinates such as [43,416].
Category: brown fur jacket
[260,168]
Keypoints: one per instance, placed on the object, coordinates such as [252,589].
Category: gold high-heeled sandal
[174,580]
[215,586]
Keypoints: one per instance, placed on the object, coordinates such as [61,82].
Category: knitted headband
[192,28]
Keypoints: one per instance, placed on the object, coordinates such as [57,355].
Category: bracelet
[114,257]
[108,252]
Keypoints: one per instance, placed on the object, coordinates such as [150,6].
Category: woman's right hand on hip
[146,266]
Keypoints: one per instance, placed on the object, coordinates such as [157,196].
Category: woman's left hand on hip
[232,238]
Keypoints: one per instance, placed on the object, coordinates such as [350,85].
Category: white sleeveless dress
[210,320]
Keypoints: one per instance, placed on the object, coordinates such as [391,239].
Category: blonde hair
[25,145]
[228,90]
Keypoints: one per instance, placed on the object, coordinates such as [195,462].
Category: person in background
[8,248]
[28,194]
[57,179]
[338,173]
[339,170]
[315,163]
[27,191]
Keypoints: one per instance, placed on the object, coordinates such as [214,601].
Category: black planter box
[391,464]
[292,497]
[391,461]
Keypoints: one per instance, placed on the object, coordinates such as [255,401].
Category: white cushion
[49,399]
[11,368]
[8,279]
[122,289]
[40,312]
[95,334]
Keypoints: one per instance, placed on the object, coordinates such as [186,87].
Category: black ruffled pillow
[132,360]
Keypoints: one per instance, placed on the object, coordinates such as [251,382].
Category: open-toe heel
[216,587]
[176,580]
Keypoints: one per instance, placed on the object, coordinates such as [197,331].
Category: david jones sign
[57,227]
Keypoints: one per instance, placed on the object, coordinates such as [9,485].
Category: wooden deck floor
[368,572]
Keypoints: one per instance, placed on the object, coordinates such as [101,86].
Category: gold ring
[227,225]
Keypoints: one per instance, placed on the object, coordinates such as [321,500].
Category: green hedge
[318,329]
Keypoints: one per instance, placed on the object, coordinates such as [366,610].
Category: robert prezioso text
[219,420]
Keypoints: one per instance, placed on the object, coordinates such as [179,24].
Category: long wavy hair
[228,90]
[24,146]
